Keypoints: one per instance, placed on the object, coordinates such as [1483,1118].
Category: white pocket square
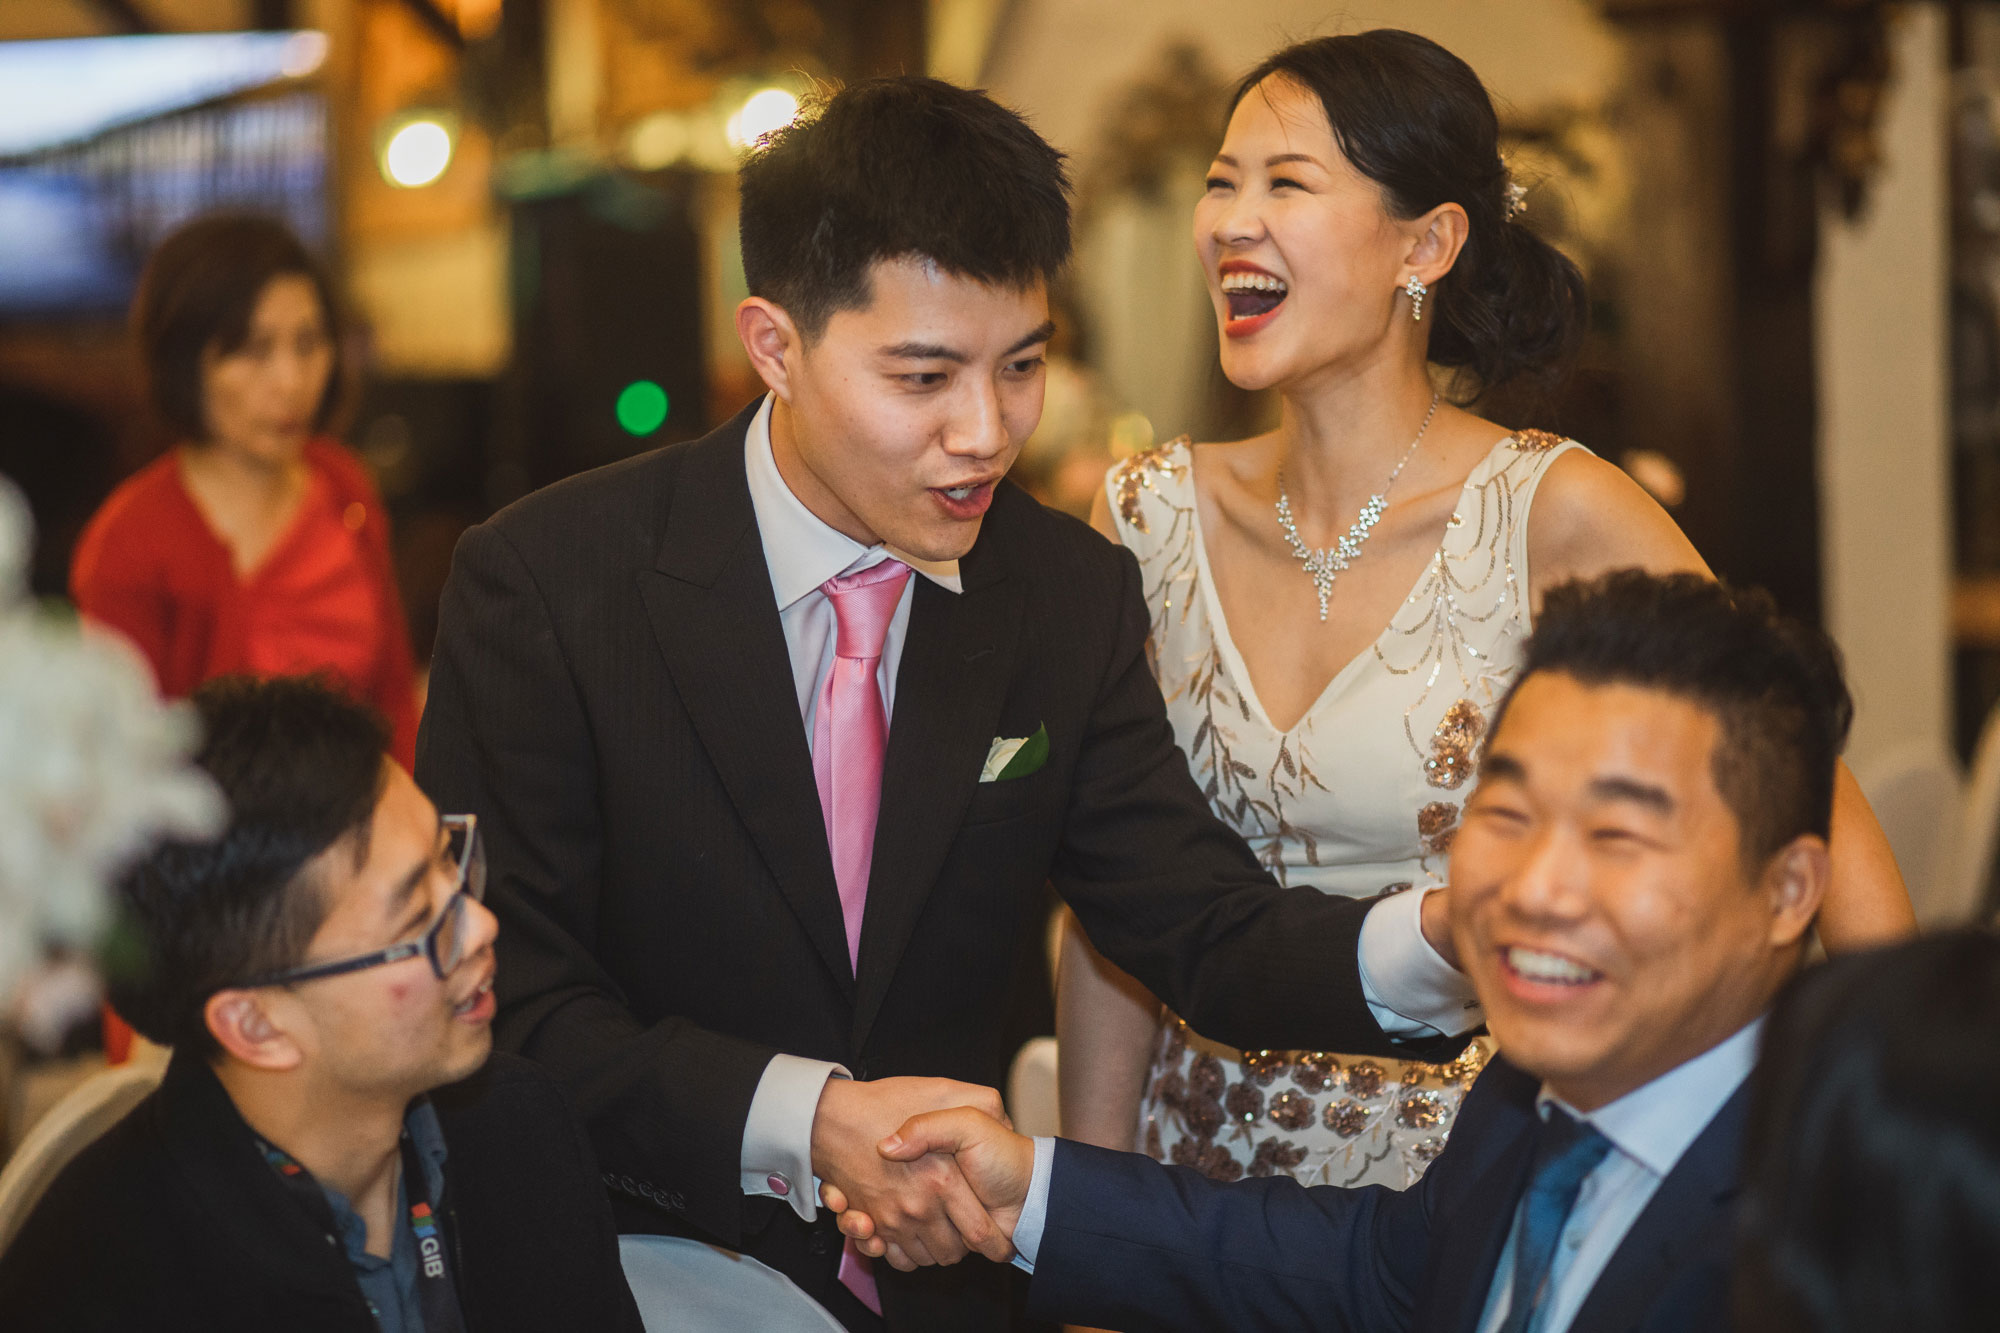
[997,757]
[1015,757]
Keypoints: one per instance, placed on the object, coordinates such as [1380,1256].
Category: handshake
[948,1179]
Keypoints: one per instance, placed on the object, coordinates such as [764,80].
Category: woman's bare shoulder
[1590,517]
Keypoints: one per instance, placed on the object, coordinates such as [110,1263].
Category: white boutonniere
[1008,759]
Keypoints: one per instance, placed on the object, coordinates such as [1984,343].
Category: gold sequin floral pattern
[1318,1117]
[1140,472]
[1437,824]
[1363,789]
[1454,745]
[1346,1118]
[1263,1067]
[1315,1071]
[1292,1110]
[1420,1110]
[1274,1155]
[1364,1079]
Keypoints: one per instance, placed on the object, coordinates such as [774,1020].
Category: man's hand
[1435,921]
[920,1209]
[996,1162]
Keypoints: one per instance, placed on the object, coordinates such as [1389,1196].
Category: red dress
[324,598]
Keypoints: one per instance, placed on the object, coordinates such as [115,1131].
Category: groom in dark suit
[1634,880]
[777,736]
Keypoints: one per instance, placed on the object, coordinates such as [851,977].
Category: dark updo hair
[1415,119]
[1871,1183]
[199,290]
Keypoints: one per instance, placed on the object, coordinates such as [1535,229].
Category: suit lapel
[1469,1245]
[1686,1215]
[958,658]
[715,617]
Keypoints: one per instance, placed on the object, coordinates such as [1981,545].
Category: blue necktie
[1566,1152]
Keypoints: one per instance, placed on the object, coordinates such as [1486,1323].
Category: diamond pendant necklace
[1328,562]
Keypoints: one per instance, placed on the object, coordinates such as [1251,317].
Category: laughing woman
[1339,604]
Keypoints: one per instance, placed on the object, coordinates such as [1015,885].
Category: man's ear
[242,1023]
[769,337]
[1794,885]
[1436,239]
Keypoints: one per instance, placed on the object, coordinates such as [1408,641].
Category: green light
[642,407]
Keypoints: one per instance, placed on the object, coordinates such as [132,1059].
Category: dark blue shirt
[390,1285]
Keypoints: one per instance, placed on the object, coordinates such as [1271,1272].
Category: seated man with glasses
[322,971]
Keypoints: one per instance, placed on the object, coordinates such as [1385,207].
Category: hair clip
[1517,200]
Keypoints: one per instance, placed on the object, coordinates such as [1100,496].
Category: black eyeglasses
[444,943]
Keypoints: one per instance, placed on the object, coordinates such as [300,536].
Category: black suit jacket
[611,693]
[1132,1244]
[174,1221]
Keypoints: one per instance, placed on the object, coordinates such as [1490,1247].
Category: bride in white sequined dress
[1335,717]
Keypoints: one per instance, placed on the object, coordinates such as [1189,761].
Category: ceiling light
[417,152]
[767,111]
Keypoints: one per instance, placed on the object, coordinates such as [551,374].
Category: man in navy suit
[1634,881]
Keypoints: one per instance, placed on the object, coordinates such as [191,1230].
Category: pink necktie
[851,730]
[850,734]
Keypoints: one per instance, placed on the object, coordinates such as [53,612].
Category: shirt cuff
[1035,1210]
[1411,990]
[777,1136]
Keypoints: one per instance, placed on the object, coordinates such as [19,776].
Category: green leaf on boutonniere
[1029,758]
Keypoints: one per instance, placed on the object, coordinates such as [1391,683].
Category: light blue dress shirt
[1649,1128]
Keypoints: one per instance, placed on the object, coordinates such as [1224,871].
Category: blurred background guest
[1872,1192]
[257,543]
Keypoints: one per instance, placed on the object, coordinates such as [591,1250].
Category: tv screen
[107,144]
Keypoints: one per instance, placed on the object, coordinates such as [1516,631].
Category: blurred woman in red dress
[255,544]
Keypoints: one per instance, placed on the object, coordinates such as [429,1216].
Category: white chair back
[1979,825]
[70,1126]
[684,1286]
[1032,1093]
[1915,792]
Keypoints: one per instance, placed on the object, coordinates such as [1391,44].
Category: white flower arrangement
[93,767]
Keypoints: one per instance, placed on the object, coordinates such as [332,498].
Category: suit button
[779,1185]
[819,1243]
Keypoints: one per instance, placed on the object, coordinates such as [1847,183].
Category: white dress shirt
[1410,989]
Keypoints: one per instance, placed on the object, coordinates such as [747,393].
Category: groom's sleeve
[1169,893]
[1411,990]
[504,736]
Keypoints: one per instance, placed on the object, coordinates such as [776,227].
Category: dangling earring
[1417,291]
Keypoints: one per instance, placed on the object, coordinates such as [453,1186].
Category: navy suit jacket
[1131,1244]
